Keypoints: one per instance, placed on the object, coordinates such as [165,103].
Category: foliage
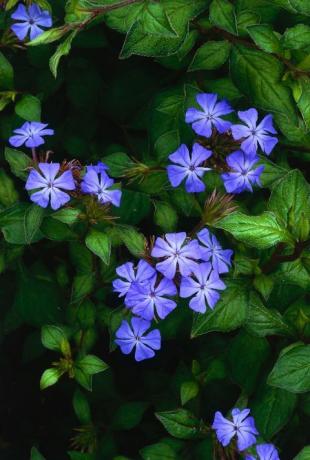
[117,81]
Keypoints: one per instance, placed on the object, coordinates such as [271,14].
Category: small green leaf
[49,36]
[8,194]
[222,14]
[261,232]
[82,286]
[132,239]
[158,451]
[264,37]
[180,423]
[62,50]
[35,454]
[292,369]
[129,415]
[81,407]
[118,163]
[210,56]
[29,108]
[6,74]
[19,162]
[189,390]
[50,377]
[165,216]
[99,243]
[91,364]
[67,215]
[54,338]
[296,37]
[304,454]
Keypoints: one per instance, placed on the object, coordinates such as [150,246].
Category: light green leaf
[304,454]
[19,162]
[54,338]
[99,243]
[180,423]
[261,232]
[292,369]
[91,364]
[35,454]
[165,216]
[8,194]
[189,390]
[210,56]
[50,377]
[62,50]
[49,36]
[264,37]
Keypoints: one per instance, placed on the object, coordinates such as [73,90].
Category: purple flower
[203,286]
[176,254]
[203,120]
[265,452]
[188,167]
[243,174]
[212,250]
[30,20]
[129,276]
[150,297]
[97,182]
[31,134]
[49,186]
[252,134]
[98,168]
[128,337]
[242,426]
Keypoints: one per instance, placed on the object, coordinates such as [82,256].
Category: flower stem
[34,155]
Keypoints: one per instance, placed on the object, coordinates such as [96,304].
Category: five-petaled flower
[176,254]
[253,134]
[213,251]
[264,452]
[128,337]
[129,276]
[31,19]
[50,187]
[147,298]
[31,134]
[97,182]
[241,426]
[243,173]
[187,167]
[203,286]
[209,116]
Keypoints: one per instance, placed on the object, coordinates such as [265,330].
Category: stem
[278,258]
[34,155]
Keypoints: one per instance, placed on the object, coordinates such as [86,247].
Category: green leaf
[49,36]
[129,415]
[20,224]
[32,221]
[292,369]
[55,230]
[180,423]
[261,232]
[303,99]
[165,216]
[263,284]
[210,56]
[50,377]
[264,37]
[247,352]
[99,243]
[135,206]
[82,286]
[8,194]
[159,451]
[132,239]
[272,410]
[290,201]
[81,407]
[6,74]
[222,14]
[84,379]
[67,215]
[29,108]
[62,50]
[228,314]
[304,454]
[118,163]
[189,390]
[19,162]
[262,321]
[296,37]
[35,454]
[91,364]
[258,75]
[54,338]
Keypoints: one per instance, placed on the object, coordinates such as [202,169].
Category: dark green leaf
[99,243]
[180,423]
[29,108]
[210,56]
[222,14]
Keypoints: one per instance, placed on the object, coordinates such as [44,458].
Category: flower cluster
[242,426]
[30,20]
[241,164]
[47,181]
[193,265]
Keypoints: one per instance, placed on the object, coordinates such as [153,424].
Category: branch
[278,258]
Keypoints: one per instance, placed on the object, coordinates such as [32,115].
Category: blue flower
[31,19]
[147,298]
[187,167]
[98,168]
[212,250]
[129,275]
[202,287]
[210,116]
[128,337]
[176,254]
[241,426]
[31,134]
[254,135]
[265,452]
[243,174]
[50,187]
[97,182]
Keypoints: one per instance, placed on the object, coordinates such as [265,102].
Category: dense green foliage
[114,79]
